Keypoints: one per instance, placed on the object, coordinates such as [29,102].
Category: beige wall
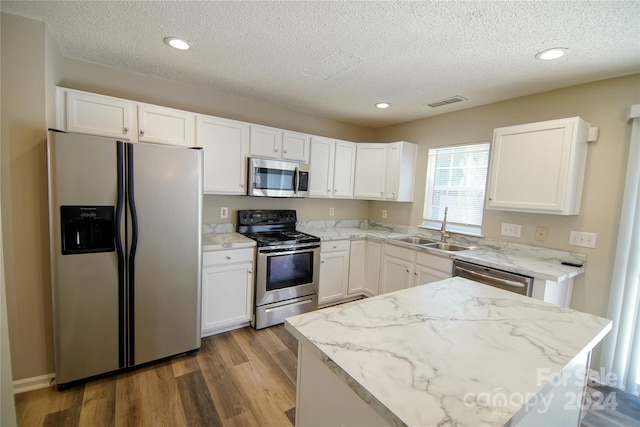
[603,104]
[31,66]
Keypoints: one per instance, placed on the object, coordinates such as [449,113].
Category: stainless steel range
[287,266]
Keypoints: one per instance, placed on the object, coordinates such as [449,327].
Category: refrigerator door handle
[132,250]
[118,226]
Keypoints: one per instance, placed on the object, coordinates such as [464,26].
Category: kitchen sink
[415,240]
[448,247]
[432,244]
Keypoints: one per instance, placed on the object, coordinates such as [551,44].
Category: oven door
[284,273]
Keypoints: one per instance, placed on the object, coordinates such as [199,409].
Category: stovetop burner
[272,227]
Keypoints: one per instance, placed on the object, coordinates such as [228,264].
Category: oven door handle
[287,251]
[493,278]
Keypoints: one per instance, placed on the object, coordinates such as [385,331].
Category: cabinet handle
[249,271]
[328,190]
[125,130]
[141,132]
[408,271]
[241,185]
[227,257]
[275,150]
[285,151]
[382,193]
[322,262]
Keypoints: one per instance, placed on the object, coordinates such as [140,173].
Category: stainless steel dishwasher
[493,277]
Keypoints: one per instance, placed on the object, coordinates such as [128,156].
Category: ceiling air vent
[447,101]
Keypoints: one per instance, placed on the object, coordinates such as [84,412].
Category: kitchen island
[453,352]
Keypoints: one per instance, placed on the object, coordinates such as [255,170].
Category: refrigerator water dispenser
[87,229]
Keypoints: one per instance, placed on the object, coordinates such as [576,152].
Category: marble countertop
[532,261]
[426,355]
[541,263]
[224,241]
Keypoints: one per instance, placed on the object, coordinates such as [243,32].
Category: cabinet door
[392,178]
[343,175]
[100,115]
[538,167]
[373,268]
[265,142]
[321,167]
[357,266]
[334,274]
[296,146]
[226,296]
[165,125]
[396,274]
[371,165]
[424,275]
[226,145]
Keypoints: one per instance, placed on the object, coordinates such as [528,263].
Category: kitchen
[603,103]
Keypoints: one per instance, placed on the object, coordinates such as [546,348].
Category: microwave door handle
[296,183]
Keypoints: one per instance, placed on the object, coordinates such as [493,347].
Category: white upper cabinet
[273,143]
[226,146]
[538,167]
[331,169]
[93,114]
[385,171]
[401,168]
[343,171]
[296,146]
[371,165]
[265,142]
[165,125]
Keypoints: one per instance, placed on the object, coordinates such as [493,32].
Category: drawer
[230,256]
[435,262]
[335,246]
[399,252]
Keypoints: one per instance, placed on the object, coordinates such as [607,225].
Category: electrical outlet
[513,230]
[582,238]
[331,212]
[541,233]
[384,213]
[224,212]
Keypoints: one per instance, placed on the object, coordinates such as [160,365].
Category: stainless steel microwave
[274,178]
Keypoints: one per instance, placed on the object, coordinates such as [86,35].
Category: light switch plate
[331,212]
[541,233]
[224,212]
[384,213]
[513,230]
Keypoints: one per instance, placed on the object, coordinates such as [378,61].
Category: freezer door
[82,173]
[166,211]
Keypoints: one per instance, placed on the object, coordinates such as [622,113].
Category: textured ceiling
[337,58]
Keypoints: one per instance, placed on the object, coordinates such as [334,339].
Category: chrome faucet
[443,230]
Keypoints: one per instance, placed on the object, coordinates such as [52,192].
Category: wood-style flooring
[239,378]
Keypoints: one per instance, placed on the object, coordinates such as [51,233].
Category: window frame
[436,224]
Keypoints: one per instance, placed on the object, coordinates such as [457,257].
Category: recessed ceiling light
[550,54]
[382,105]
[177,42]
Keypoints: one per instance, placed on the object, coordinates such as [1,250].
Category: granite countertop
[425,355]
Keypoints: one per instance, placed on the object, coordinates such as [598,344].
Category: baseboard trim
[33,383]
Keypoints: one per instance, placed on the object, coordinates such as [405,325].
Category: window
[456,178]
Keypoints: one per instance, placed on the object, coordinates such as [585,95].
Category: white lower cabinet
[398,267]
[227,290]
[431,268]
[403,268]
[334,271]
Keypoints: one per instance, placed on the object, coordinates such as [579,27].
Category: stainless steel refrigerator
[125,224]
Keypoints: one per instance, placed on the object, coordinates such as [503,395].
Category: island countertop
[428,354]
